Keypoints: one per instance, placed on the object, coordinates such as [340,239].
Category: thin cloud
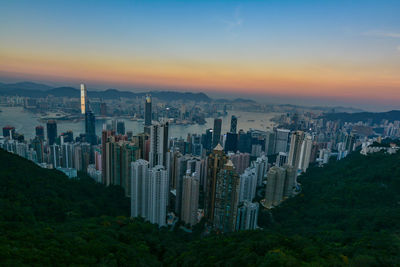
[398,48]
[382,34]
[236,20]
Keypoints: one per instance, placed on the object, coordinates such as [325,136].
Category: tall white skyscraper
[139,188]
[158,195]
[83,98]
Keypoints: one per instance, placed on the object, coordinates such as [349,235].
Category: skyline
[308,53]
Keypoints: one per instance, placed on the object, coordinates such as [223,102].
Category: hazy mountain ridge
[374,117]
[29,89]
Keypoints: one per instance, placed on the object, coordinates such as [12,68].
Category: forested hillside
[347,214]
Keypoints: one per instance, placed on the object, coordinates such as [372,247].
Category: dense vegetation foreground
[348,213]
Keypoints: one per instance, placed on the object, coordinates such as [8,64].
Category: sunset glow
[333,50]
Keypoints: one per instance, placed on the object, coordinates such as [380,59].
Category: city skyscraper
[233,124]
[158,195]
[231,142]
[217,131]
[147,114]
[121,127]
[158,144]
[275,186]
[248,185]
[215,162]
[8,131]
[39,131]
[306,150]
[296,143]
[51,131]
[281,140]
[226,198]
[190,198]
[90,127]
[139,188]
[83,98]
[247,216]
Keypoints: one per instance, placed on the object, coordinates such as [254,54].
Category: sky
[307,52]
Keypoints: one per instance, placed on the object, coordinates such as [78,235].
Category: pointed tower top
[218,147]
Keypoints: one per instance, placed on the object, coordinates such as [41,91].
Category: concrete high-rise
[281,140]
[190,198]
[306,150]
[261,166]
[275,186]
[240,160]
[247,216]
[158,144]
[139,188]
[158,195]
[248,185]
[296,143]
[83,98]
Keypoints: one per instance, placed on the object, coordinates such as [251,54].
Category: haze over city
[307,52]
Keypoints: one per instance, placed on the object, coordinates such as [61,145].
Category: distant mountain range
[364,116]
[40,90]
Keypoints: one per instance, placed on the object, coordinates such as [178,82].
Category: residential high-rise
[158,144]
[55,155]
[281,140]
[306,149]
[247,216]
[270,143]
[261,166]
[51,132]
[139,188]
[275,186]
[118,157]
[290,180]
[215,162]
[281,159]
[83,98]
[233,124]
[240,160]
[90,127]
[217,132]
[226,198]
[296,143]
[158,195]
[248,185]
[190,198]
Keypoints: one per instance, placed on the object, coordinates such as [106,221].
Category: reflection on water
[25,123]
